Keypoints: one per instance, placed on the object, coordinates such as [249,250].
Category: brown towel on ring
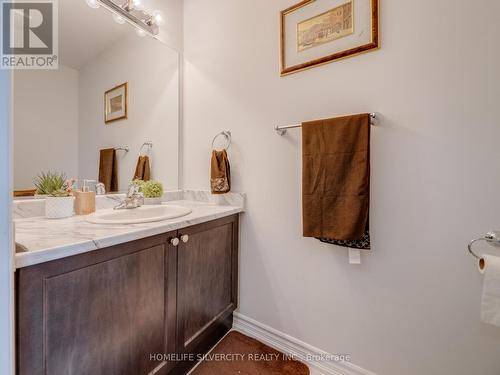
[336,180]
[143,169]
[108,169]
[220,175]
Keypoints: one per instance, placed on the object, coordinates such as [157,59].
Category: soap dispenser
[85,200]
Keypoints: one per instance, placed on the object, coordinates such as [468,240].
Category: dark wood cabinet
[107,311]
[207,280]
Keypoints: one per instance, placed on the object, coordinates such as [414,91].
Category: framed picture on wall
[317,32]
[116,103]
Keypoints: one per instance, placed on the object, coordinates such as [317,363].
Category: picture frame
[318,32]
[116,103]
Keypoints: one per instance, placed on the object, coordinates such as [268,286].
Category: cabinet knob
[174,241]
[185,238]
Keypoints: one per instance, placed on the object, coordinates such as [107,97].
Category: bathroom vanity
[151,303]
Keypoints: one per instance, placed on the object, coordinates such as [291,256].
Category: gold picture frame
[342,31]
[116,103]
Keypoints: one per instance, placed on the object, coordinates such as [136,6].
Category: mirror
[113,90]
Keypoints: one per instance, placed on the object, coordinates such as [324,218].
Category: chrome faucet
[100,189]
[134,199]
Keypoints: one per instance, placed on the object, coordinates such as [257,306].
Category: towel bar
[281,130]
[492,238]
[126,149]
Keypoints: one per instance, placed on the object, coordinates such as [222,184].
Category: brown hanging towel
[108,169]
[220,175]
[143,169]
[336,180]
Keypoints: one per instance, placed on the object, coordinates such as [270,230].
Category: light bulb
[118,19]
[140,32]
[157,17]
[93,3]
[138,4]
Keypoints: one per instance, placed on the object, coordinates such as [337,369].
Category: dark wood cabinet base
[215,333]
[107,312]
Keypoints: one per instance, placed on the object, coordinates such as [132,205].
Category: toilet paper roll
[490,301]
[481,265]
[485,261]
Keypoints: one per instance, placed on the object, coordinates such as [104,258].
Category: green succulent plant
[138,183]
[152,189]
[47,183]
[61,193]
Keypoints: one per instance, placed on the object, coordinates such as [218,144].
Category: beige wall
[171,31]
[45,124]
[152,72]
[412,307]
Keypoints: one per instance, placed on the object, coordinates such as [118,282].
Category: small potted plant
[152,191]
[48,182]
[59,203]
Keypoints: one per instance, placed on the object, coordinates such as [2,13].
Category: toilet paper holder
[492,238]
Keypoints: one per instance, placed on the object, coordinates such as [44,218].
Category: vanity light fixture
[133,4]
[138,5]
[133,12]
[93,3]
[156,18]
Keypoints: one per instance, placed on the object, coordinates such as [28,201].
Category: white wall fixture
[133,12]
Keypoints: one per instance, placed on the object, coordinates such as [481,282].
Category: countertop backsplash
[28,208]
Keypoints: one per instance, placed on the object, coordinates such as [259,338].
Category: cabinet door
[98,313]
[207,280]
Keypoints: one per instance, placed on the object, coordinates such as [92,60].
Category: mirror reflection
[109,113]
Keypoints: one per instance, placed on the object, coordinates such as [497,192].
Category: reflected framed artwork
[116,103]
[317,32]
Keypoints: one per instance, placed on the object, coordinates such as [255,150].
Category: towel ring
[227,135]
[492,238]
[149,145]
[470,247]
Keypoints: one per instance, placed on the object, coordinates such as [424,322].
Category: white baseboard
[294,347]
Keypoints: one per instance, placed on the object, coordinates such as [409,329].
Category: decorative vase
[152,201]
[59,207]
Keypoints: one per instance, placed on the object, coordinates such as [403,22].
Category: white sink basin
[144,214]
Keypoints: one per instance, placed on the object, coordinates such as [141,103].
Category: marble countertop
[44,240]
